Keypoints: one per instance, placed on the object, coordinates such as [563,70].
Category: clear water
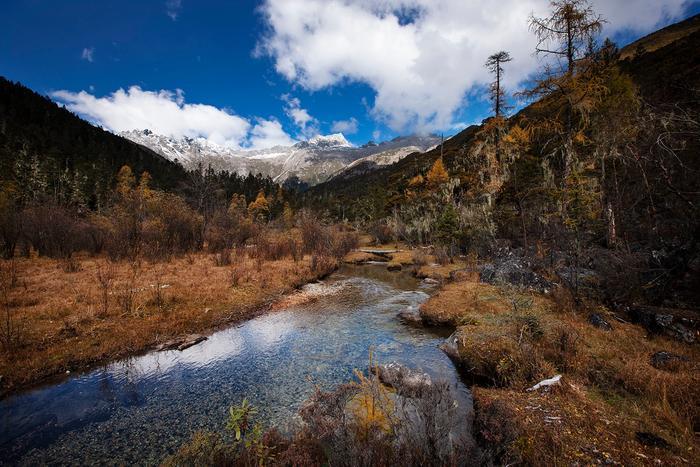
[139,410]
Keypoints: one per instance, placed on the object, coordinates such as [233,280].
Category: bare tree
[495,65]
[570,29]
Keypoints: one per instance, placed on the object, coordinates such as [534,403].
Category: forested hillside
[36,134]
[605,159]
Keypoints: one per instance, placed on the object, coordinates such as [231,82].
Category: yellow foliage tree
[416,181]
[125,181]
[260,208]
[437,174]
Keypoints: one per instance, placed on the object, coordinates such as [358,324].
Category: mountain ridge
[314,161]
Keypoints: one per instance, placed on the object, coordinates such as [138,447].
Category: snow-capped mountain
[313,161]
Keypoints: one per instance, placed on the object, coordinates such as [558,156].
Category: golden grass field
[68,321]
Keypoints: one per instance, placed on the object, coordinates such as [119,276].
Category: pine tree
[495,65]
[568,31]
[30,176]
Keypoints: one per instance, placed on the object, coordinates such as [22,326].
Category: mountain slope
[665,74]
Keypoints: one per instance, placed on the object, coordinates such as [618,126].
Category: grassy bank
[68,317]
[619,400]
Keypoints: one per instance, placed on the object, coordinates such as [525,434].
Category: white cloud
[166,112]
[173,8]
[348,127]
[267,134]
[308,125]
[421,57]
[88,54]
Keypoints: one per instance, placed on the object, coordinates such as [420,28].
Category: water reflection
[141,409]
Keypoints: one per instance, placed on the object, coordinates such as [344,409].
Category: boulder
[652,440]
[682,325]
[666,360]
[405,380]
[451,346]
[516,271]
[598,321]
[579,277]
[394,267]
[410,317]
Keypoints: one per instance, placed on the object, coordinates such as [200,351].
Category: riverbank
[624,395]
[69,319]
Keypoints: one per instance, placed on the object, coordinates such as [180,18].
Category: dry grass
[570,425]
[465,302]
[106,310]
[508,340]
[437,271]
[361,257]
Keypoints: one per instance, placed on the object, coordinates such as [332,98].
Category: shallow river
[137,411]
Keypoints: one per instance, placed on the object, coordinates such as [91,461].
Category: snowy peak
[313,161]
[336,140]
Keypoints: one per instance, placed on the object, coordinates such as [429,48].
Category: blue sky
[332,61]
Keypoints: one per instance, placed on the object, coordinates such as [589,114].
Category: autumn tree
[260,208]
[437,174]
[568,31]
[125,181]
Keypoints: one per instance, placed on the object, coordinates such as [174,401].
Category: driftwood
[182,343]
[545,383]
[384,253]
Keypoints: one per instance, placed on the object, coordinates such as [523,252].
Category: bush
[382,231]
[227,229]
[322,265]
[53,230]
[442,256]
[272,247]
[313,234]
[223,258]
[171,226]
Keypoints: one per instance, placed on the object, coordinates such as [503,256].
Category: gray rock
[598,321]
[402,378]
[682,325]
[410,317]
[451,346]
[516,271]
[664,360]
[579,278]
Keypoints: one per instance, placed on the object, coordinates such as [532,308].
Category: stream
[140,410]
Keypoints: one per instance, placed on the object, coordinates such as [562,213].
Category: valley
[182,283]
